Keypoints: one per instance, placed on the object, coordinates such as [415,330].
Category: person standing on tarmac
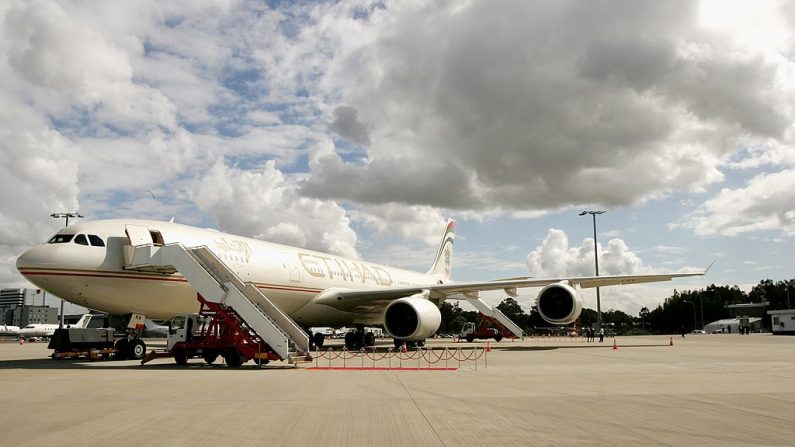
[601,335]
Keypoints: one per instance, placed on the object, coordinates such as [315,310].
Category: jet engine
[559,303]
[412,318]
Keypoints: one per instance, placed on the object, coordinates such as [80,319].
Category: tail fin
[442,264]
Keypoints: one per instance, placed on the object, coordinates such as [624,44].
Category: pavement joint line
[417,406]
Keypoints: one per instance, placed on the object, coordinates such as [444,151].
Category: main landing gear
[358,339]
[318,339]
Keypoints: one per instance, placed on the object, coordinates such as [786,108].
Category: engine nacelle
[559,303]
[412,318]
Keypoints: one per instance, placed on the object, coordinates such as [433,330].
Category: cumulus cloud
[611,108]
[764,204]
[37,178]
[556,258]
[346,123]
[264,204]
[421,223]
[394,178]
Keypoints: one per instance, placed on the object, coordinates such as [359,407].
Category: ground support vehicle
[91,343]
[487,328]
[217,330]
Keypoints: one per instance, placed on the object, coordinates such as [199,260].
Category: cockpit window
[96,241]
[81,239]
[61,239]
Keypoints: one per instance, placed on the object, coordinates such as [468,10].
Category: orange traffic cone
[488,346]
[671,343]
[615,346]
[403,348]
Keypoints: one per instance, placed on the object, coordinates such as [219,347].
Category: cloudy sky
[358,127]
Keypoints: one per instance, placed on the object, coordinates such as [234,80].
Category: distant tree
[448,314]
[588,318]
[511,308]
[644,315]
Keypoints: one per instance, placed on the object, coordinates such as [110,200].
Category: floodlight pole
[694,313]
[66,215]
[596,264]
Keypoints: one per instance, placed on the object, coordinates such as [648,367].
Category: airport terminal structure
[783,321]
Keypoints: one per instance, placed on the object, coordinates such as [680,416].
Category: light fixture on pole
[74,215]
[596,264]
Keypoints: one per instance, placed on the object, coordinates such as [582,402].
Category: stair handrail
[265,306]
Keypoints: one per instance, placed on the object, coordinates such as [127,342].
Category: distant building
[10,298]
[21,307]
[782,321]
[25,315]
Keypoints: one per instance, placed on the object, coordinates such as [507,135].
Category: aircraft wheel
[470,338]
[232,358]
[498,337]
[122,347]
[398,342]
[137,349]
[181,357]
[421,343]
[369,339]
[210,357]
[350,341]
[319,339]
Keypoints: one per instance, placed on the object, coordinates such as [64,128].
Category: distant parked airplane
[9,330]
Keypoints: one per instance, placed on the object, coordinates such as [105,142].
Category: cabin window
[96,241]
[81,239]
[61,239]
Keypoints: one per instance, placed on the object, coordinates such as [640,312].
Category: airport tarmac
[721,390]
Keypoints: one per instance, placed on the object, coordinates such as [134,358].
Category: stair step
[220,285]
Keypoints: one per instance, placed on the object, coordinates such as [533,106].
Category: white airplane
[48,329]
[85,264]
[9,330]
[38,330]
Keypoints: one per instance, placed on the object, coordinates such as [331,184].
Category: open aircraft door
[140,239]
[138,235]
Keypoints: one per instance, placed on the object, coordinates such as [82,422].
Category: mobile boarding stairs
[257,318]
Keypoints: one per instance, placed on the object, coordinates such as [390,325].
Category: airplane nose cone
[37,257]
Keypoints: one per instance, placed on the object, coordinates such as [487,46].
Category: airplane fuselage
[95,276]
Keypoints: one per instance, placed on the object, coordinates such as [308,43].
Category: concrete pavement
[721,390]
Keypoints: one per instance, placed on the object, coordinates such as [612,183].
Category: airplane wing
[371,300]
